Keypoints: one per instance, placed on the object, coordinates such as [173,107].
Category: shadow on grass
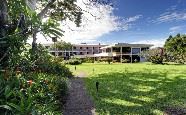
[138,93]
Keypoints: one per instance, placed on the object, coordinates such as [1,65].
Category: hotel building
[118,52]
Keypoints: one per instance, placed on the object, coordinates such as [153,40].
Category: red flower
[46,81]
[30,82]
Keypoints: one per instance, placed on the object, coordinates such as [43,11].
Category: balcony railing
[119,53]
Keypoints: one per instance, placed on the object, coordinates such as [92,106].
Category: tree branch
[5,54]
[44,10]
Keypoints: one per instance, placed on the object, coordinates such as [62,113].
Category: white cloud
[155,42]
[171,16]
[175,29]
[92,28]
[134,18]
[173,13]
[97,21]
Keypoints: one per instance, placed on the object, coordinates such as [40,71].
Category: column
[98,49]
[140,54]
[131,55]
[121,54]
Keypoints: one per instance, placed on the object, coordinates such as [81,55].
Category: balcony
[123,53]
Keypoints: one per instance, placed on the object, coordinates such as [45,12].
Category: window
[93,47]
[116,49]
[87,47]
[67,53]
[87,52]
[126,50]
[81,48]
[75,53]
[135,50]
[60,54]
[108,50]
[81,53]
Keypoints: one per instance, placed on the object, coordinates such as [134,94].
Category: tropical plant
[32,93]
[176,48]
[19,19]
[22,18]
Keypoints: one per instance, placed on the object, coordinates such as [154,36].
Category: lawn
[136,88]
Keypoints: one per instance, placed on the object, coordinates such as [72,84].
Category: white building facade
[118,52]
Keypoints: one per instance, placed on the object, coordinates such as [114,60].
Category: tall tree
[176,48]
[62,45]
[26,17]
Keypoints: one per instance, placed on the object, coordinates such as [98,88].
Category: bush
[155,55]
[125,60]
[34,86]
[108,59]
[45,63]
[74,61]
[58,59]
[156,59]
[55,68]
[32,93]
[88,60]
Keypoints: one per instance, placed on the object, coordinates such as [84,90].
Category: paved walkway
[78,102]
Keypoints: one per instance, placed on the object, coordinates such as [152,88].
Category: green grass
[135,88]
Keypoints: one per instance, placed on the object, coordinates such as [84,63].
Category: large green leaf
[6,107]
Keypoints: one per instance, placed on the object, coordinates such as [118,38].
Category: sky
[128,21]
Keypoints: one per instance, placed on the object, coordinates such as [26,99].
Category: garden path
[78,101]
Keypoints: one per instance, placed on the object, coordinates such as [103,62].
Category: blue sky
[157,20]
[129,21]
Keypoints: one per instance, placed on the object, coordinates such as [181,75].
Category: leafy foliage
[62,45]
[33,87]
[31,93]
[155,55]
[108,59]
[125,60]
[23,21]
[74,61]
[176,48]
[156,59]
[89,60]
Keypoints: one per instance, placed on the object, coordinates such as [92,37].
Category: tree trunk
[3,31]
[34,45]
[40,15]
[3,17]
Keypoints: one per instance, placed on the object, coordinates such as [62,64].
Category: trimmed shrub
[74,61]
[88,60]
